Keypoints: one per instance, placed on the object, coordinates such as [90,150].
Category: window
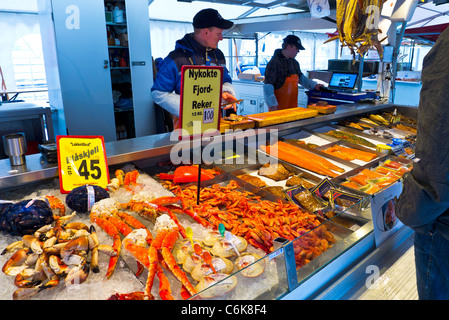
[324,52]
[29,68]
[305,57]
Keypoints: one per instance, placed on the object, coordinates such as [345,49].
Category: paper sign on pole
[200,100]
[319,8]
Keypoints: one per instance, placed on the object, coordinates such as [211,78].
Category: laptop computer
[343,81]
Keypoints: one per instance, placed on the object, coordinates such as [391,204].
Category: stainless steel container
[15,148]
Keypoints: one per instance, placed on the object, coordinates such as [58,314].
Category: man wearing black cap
[197,48]
[283,75]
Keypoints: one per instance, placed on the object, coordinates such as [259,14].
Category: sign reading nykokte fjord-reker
[201,88]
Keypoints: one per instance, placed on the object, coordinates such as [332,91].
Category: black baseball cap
[207,18]
[291,39]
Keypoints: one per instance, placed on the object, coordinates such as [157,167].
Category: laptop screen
[345,81]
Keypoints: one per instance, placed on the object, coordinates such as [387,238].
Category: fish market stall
[258,231]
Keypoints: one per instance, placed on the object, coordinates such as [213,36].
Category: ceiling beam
[282,22]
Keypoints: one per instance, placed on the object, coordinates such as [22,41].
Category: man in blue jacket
[424,202]
[197,48]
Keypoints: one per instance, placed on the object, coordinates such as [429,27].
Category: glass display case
[290,256]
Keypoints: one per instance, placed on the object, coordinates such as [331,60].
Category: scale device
[341,90]
[343,81]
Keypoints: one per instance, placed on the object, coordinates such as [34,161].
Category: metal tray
[318,151]
[343,143]
[379,140]
[338,180]
[270,182]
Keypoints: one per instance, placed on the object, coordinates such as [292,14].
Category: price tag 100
[208,115]
[82,160]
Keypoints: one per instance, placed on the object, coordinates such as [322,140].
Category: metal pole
[359,80]
[395,59]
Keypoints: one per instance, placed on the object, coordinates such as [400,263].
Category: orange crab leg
[164,286]
[125,230]
[175,219]
[184,293]
[177,272]
[106,226]
[163,201]
[136,224]
[113,260]
[122,227]
[167,244]
[152,255]
[139,252]
[120,175]
[111,230]
[131,180]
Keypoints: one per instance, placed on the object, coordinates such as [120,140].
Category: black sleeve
[425,195]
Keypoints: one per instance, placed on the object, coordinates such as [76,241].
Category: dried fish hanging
[357,25]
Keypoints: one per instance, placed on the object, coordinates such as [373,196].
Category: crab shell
[248,265]
[217,284]
[224,249]
[183,249]
[221,265]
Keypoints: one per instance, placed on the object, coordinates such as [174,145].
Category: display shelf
[82,100]
[120,24]
[285,279]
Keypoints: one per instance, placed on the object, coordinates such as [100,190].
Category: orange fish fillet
[301,158]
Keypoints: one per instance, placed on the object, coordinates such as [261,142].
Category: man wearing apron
[283,75]
[197,48]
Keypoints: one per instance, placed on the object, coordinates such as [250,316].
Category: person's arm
[307,83]
[268,87]
[425,194]
[167,100]
[228,95]
[270,98]
[165,91]
[228,87]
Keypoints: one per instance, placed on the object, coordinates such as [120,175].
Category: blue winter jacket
[187,52]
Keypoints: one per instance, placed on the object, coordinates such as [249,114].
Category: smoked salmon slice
[302,158]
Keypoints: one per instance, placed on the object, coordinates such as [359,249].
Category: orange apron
[287,95]
[176,123]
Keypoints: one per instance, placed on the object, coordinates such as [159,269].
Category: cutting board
[282,116]
[235,125]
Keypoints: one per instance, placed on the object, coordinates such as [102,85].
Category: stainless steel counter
[312,279]
[117,152]
[156,147]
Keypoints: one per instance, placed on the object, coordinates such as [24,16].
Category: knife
[232,102]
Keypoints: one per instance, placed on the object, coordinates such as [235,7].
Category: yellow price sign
[200,99]
[82,160]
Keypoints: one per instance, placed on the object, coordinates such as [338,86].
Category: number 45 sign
[82,160]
